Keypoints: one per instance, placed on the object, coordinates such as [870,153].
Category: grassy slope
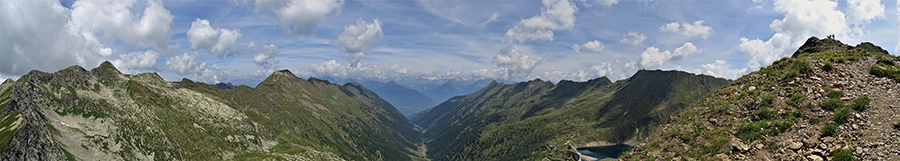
[735,112]
[346,120]
[526,120]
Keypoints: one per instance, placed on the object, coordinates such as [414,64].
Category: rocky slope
[103,114]
[829,101]
[539,120]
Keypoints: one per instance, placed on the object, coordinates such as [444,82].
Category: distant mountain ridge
[405,99]
[536,119]
[454,87]
[103,114]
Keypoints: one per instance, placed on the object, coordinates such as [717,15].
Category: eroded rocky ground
[870,132]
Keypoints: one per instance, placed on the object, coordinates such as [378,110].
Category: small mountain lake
[601,152]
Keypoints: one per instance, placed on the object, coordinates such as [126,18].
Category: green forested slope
[536,119]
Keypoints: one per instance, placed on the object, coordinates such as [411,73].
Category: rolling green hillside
[538,120]
[103,114]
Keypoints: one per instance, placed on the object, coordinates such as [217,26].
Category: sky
[244,41]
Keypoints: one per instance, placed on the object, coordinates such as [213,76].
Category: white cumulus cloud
[653,58]
[137,61]
[361,37]
[33,31]
[114,18]
[186,64]
[607,2]
[300,16]
[217,40]
[36,31]
[514,63]
[265,56]
[863,11]
[721,69]
[592,46]
[687,29]
[634,39]
[555,15]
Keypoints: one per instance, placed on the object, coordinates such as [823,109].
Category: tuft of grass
[842,154]
[768,99]
[829,130]
[835,94]
[795,99]
[832,104]
[841,116]
[766,114]
[772,145]
[793,114]
[799,89]
[861,103]
[828,66]
[755,130]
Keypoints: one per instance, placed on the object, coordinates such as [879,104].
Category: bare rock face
[34,140]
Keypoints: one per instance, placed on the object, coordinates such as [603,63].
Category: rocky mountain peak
[106,69]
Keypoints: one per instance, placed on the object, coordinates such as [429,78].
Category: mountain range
[828,101]
[103,114]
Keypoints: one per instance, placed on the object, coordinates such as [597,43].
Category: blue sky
[244,41]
